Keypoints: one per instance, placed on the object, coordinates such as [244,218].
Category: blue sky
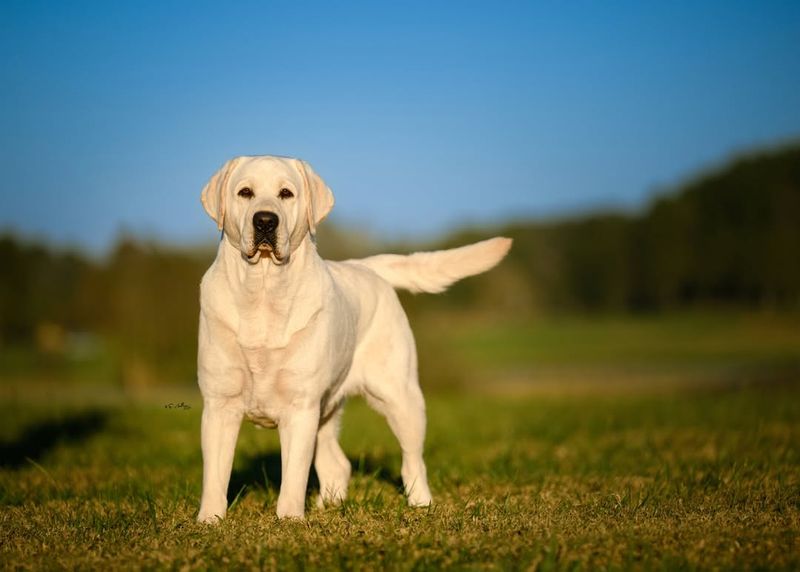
[421,116]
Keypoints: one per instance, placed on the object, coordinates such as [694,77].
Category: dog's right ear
[213,197]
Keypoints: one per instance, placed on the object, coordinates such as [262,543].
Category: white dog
[285,336]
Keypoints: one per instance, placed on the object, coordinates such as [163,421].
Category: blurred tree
[731,237]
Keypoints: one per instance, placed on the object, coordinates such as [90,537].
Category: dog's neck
[274,302]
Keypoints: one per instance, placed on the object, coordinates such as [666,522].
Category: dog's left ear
[319,199]
[213,197]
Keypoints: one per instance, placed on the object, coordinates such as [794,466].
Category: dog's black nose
[265,221]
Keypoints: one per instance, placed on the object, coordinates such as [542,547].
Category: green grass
[697,480]
[704,476]
[656,352]
[678,339]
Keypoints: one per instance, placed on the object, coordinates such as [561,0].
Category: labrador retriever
[285,336]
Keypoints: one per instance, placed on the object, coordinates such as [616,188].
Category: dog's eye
[285,194]
[246,192]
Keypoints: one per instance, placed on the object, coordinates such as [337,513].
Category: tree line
[730,237]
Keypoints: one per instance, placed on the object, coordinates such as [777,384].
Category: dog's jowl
[285,337]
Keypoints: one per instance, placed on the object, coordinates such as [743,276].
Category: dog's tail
[434,271]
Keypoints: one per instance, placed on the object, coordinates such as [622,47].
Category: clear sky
[421,116]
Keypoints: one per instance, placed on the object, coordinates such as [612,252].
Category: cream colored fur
[285,337]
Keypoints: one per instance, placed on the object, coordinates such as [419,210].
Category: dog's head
[267,205]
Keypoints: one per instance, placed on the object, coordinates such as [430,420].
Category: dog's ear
[319,198]
[213,197]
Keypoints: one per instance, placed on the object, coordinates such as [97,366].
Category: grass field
[702,476]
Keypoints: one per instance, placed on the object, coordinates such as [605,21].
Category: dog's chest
[268,392]
[279,382]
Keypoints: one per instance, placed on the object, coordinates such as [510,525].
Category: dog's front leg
[221,421]
[298,433]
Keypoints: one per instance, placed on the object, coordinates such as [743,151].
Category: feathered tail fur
[434,271]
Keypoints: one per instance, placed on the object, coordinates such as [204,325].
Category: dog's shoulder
[210,281]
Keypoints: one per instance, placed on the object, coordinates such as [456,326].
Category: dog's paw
[291,515]
[419,497]
[325,501]
[422,502]
[209,518]
[332,496]
[212,510]
[290,510]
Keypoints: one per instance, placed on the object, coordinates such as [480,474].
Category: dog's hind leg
[400,400]
[333,468]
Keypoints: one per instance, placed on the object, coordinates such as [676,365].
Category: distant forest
[729,238]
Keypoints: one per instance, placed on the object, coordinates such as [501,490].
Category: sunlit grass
[612,450]
[696,479]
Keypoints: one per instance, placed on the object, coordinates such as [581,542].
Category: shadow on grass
[264,472]
[35,441]
[258,471]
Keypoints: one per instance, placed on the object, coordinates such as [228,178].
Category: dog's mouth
[264,245]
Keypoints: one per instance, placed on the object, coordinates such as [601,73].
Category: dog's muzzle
[265,238]
[265,223]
